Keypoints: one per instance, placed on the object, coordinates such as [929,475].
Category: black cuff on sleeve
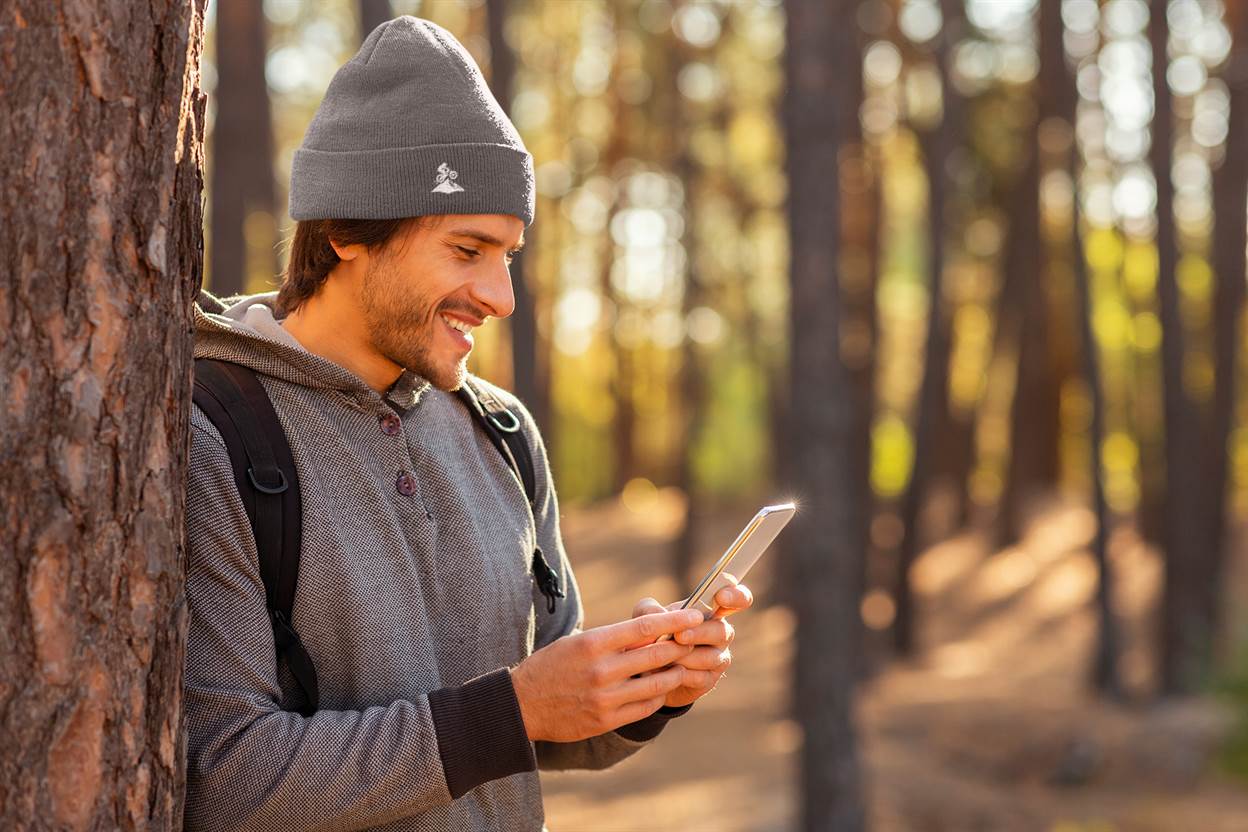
[649,727]
[481,735]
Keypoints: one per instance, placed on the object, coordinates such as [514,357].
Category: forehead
[494,229]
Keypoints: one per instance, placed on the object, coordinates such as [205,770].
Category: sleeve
[607,749]
[252,765]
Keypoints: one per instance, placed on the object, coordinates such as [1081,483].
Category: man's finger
[700,679]
[646,606]
[706,658]
[647,628]
[649,657]
[716,631]
[646,687]
[634,711]
[734,598]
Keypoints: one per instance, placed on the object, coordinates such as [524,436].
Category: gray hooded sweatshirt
[415,596]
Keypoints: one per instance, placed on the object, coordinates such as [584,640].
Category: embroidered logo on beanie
[445,180]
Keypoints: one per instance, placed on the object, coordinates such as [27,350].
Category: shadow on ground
[990,728]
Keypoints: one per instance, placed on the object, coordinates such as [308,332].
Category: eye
[471,252]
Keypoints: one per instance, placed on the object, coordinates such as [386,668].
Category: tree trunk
[933,400]
[624,411]
[244,228]
[952,455]
[526,382]
[824,542]
[101,131]
[1230,200]
[1035,424]
[1185,636]
[862,217]
[1105,675]
[373,13]
[691,393]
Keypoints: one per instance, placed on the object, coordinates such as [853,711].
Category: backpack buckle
[268,489]
[512,426]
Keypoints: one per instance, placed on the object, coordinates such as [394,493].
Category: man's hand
[582,685]
[711,639]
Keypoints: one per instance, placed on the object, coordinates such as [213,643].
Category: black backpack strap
[503,428]
[506,434]
[232,397]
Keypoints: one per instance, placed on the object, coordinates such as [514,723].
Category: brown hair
[312,258]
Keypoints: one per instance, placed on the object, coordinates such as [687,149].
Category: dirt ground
[990,728]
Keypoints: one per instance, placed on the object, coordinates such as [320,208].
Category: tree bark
[1185,628]
[101,130]
[527,381]
[1230,202]
[933,401]
[826,551]
[624,412]
[952,456]
[1035,424]
[244,228]
[1105,676]
[373,13]
[862,218]
[691,393]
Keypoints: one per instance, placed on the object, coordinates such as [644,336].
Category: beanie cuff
[397,183]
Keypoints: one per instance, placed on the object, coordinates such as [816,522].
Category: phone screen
[737,560]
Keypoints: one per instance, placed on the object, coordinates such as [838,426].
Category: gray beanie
[409,128]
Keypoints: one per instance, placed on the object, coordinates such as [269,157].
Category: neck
[331,327]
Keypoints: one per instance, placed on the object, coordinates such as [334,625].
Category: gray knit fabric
[399,597]
[408,128]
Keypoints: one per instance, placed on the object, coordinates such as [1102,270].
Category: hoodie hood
[245,330]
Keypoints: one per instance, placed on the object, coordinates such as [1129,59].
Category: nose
[492,289]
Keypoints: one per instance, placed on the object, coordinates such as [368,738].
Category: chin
[447,378]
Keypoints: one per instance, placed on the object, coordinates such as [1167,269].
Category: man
[443,686]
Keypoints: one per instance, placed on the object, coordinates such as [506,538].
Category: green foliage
[731,456]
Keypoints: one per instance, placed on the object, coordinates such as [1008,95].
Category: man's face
[432,284]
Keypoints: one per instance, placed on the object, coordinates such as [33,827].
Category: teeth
[457,324]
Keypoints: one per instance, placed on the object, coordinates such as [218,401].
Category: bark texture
[373,13]
[939,147]
[101,126]
[1028,309]
[1105,676]
[861,219]
[528,380]
[825,539]
[244,228]
[1185,621]
[1230,204]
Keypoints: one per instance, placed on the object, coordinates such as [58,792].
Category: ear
[346,252]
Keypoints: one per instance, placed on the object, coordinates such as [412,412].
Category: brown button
[406,484]
[390,425]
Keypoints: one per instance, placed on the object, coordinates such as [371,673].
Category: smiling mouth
[457,325]
[460,332]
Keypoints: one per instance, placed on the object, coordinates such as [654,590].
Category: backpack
[236,403]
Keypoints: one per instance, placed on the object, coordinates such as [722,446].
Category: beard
[402,324]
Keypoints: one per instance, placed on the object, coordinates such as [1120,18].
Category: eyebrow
[483,237]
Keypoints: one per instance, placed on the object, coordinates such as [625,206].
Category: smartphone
[744,552]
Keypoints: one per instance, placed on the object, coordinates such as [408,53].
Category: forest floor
[991,727]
